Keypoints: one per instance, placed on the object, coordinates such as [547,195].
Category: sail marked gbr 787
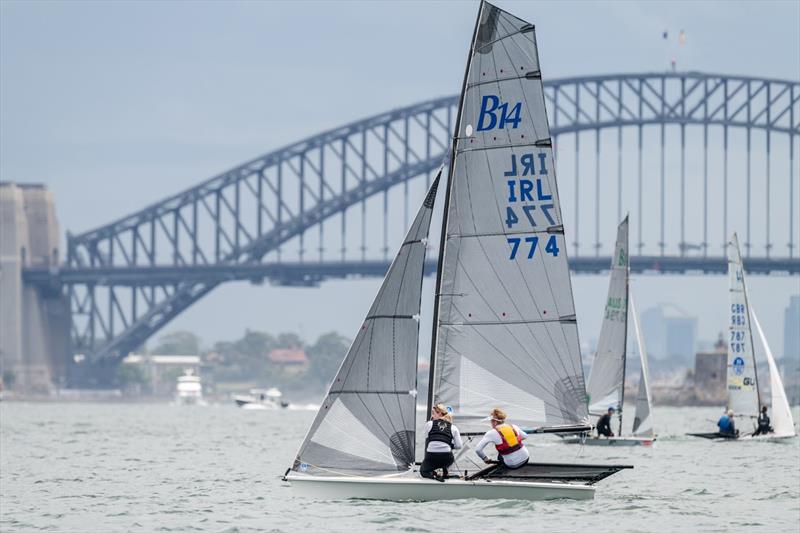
[506,330]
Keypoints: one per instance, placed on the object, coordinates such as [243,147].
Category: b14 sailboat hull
[418,489]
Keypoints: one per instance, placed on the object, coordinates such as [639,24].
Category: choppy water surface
[131,467]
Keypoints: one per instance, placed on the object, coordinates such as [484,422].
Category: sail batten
[505,333]
[366,424]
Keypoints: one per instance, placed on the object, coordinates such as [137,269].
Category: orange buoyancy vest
[511,439]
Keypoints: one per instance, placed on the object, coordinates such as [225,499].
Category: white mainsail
[743,397]
[606,383]
[643,420]
[781,417]
[506,334]
[366,424]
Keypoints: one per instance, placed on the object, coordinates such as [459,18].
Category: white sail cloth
[366,424]
[782,421]
[506,334]
[743,395]
[605,386]
[643,419]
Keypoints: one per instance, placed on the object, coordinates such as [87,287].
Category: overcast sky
[115,105]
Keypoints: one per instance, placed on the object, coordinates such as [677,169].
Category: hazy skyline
[116,105]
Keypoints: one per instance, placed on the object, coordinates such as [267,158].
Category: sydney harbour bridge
[692,157]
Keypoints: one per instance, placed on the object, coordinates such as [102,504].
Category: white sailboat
[504,326]
[744,396]
[606,385]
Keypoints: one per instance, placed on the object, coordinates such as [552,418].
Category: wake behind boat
[504,328]
[744,397]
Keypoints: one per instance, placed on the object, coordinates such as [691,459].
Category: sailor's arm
[481,445]
[457,442]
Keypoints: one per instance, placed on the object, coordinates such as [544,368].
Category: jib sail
[366,424]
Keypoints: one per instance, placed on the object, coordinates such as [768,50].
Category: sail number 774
[532,242]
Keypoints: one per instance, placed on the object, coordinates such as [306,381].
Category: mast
[749,326]
[625,334]
[443,238]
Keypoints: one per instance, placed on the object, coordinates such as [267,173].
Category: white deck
[418,489]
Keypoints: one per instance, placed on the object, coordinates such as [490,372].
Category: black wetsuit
[604,426]
[763,424]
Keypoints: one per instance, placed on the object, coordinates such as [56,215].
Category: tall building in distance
[671,334]
[791,329]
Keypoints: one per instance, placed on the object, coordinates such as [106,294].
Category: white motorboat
[504,327]
[606,385]
[189,389]
[744,396]
[261,399]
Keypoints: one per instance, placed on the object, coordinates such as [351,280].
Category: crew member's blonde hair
[499,415]
[443,412]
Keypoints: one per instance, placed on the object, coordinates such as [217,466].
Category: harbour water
[154,467]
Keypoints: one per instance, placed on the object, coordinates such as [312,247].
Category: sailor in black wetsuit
[604,424]
[763,422]
[442,438]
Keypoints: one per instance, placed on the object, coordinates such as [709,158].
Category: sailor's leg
[427,467]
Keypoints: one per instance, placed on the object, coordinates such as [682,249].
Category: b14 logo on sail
[494,114]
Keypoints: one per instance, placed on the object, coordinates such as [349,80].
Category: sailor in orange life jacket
[507,439]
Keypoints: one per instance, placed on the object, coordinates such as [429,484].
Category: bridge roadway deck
[311,273]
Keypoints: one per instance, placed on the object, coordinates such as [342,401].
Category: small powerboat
[261,399]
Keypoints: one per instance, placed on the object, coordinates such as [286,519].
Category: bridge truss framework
[299,215]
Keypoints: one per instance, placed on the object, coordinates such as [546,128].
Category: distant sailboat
[606,384]
[744,397]
[505,333]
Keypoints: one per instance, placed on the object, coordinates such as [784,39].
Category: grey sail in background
[506,334]
[643,421]
[743,395]
[606,378]
[366,424]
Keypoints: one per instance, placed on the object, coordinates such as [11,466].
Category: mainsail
[743,395]
[505,334]
[605,386]
[366,424]
[782,421]
[642,421]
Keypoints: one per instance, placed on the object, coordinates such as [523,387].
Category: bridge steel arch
[244,219]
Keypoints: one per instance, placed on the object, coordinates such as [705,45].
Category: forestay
[365,425]
[506,334]
[742,380]
[606,379]
[643,420]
